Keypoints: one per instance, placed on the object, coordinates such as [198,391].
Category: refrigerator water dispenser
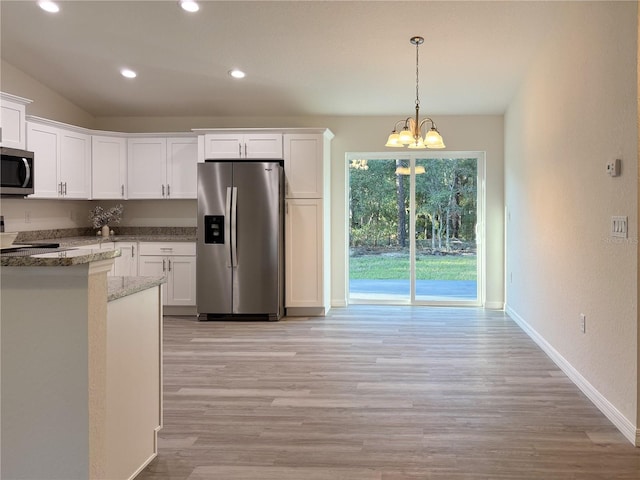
[214,229]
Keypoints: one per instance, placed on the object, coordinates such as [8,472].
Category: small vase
[105,230]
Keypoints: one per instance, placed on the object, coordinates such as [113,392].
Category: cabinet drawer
[167,248]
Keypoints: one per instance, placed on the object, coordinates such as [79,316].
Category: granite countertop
[65,258]
[118,287]
[79,241]
[73,237]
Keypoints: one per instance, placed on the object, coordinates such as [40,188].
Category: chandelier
[411,134]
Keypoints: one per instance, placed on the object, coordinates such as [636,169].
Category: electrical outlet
[583,323]
[619,226]
[27,216]
[613,168]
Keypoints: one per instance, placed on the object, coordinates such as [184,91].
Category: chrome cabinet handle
[239,150]
[245,150]
[65,189]
[163,190]
[164,266]
[168,190]
[133,253]
[122,189]
[169,261]
[60,188]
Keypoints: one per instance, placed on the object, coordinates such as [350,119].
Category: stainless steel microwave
[16,172]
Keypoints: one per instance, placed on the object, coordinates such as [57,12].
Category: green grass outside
[428,267]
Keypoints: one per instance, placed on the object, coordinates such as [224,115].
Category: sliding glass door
[416,227]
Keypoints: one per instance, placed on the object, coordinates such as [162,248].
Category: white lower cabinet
[176,261]
[102,246]
[126,265]
[304,257]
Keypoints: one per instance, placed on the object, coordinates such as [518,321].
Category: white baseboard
[626,426]
[338,302]
[494,305]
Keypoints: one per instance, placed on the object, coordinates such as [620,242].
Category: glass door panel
[414,228]
[379,217]
[446,266]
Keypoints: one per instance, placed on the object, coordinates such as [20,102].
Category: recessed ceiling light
[189,5]
[235,73]
[128,73]
[49,6]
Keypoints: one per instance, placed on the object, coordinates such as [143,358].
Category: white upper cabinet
[239,145]
[182,174]
[303,165]
[63,165]
[12,121]
[162,167]
[147,167]
[108,167]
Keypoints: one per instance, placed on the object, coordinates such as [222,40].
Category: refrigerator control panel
[214,229]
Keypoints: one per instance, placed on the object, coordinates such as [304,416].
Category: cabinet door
[13,124]
[153,266]
[109,163]
[303,165]
[238,145]
[75,164]
[304,253]
[181,288]
[42,140]
[182,161]
[126,265]
[223,145]
[263,146]
[147,167]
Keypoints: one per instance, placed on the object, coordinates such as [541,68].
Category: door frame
[411,156]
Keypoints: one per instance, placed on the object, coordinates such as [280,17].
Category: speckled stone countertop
[79,241]
[118,287]
[66,258]
[85,236]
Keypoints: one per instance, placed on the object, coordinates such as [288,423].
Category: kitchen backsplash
[23,215]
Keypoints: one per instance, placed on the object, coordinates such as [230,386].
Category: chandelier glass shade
[410,134]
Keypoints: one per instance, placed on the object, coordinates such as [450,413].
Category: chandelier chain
[417,76]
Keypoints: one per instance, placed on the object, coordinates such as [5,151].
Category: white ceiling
[301,57]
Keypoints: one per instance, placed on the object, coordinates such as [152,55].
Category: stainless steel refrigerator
[240,266]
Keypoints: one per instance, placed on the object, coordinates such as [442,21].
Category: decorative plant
[100,217]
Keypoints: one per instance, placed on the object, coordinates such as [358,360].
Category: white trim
[626,426]
[328,134]
[338,303]
[14,98]
[494,305]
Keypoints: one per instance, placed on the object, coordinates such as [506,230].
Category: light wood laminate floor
[376,393]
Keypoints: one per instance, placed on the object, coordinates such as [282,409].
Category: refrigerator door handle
[227,226]
[234,227]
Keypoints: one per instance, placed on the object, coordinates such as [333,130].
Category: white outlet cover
[619,226]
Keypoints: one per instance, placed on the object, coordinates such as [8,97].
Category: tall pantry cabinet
[307,223]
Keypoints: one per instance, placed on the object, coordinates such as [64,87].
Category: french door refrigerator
[239,253]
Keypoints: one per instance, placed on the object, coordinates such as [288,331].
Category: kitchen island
[81,370]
